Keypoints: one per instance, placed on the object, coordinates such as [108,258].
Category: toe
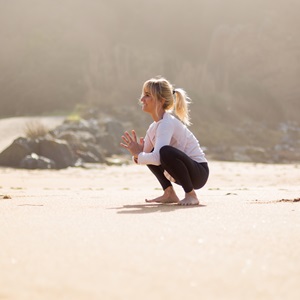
[150,201]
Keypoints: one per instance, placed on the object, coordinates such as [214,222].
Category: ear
[163,100]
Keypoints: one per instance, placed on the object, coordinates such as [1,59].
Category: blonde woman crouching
[169,149]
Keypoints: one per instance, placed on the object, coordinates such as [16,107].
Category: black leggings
[186,172]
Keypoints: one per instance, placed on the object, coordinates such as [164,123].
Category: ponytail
[175,99]
[181,105]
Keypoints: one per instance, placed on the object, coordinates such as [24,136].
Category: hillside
[238,60]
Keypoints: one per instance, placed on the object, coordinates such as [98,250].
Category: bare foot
[169,196]
[189,199]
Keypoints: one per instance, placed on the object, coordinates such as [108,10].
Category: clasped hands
[131,144]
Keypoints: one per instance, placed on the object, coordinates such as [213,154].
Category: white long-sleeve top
[169,131]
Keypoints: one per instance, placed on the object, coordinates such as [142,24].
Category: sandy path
[88,234]
[12,128]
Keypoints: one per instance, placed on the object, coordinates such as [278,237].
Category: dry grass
[35,129]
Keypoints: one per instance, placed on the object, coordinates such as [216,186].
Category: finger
[125,139]
[128,136]
[124,146]
[134,136]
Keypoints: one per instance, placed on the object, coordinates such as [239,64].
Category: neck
[158,116]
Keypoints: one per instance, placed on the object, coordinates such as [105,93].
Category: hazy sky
[70,50]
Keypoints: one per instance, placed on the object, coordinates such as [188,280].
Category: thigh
[176,161]
[169,156]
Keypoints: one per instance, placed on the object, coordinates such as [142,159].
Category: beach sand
[88,234]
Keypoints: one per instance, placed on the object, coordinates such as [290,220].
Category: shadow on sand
[152,208]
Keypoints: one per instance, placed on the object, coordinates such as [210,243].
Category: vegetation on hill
[238,60]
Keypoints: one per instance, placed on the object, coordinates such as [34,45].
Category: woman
[170,150]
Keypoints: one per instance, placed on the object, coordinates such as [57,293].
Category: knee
[165,151]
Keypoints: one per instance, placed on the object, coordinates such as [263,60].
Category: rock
[114,128]
[88,156]
[13,154]
[95,150]
[68,136]
[85,136]
[108,144]
[33,161]
[90,126]
[57,150]
[240,156]
[257,154]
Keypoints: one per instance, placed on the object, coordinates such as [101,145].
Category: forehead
[146,90]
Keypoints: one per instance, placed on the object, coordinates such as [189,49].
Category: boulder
[68,136]
[96,150]
[108,144]
[114,128]
[88,157]
[57,150]
[13,154]
[33,161]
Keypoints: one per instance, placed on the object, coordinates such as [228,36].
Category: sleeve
[148,145]
[163,135]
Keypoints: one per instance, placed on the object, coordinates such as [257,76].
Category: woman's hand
[131,144]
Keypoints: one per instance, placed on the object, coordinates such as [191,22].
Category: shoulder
[172,120]
[169,123]
[169,118]
[151,125]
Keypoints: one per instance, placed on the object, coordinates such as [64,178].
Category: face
[148,102]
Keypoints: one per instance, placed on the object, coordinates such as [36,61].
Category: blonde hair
[176,100]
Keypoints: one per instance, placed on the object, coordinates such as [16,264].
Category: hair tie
[174,91]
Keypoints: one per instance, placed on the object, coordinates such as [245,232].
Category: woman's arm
[161,137]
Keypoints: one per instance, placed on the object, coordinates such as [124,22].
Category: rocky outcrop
[72,143]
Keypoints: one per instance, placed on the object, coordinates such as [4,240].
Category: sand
[88,234]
